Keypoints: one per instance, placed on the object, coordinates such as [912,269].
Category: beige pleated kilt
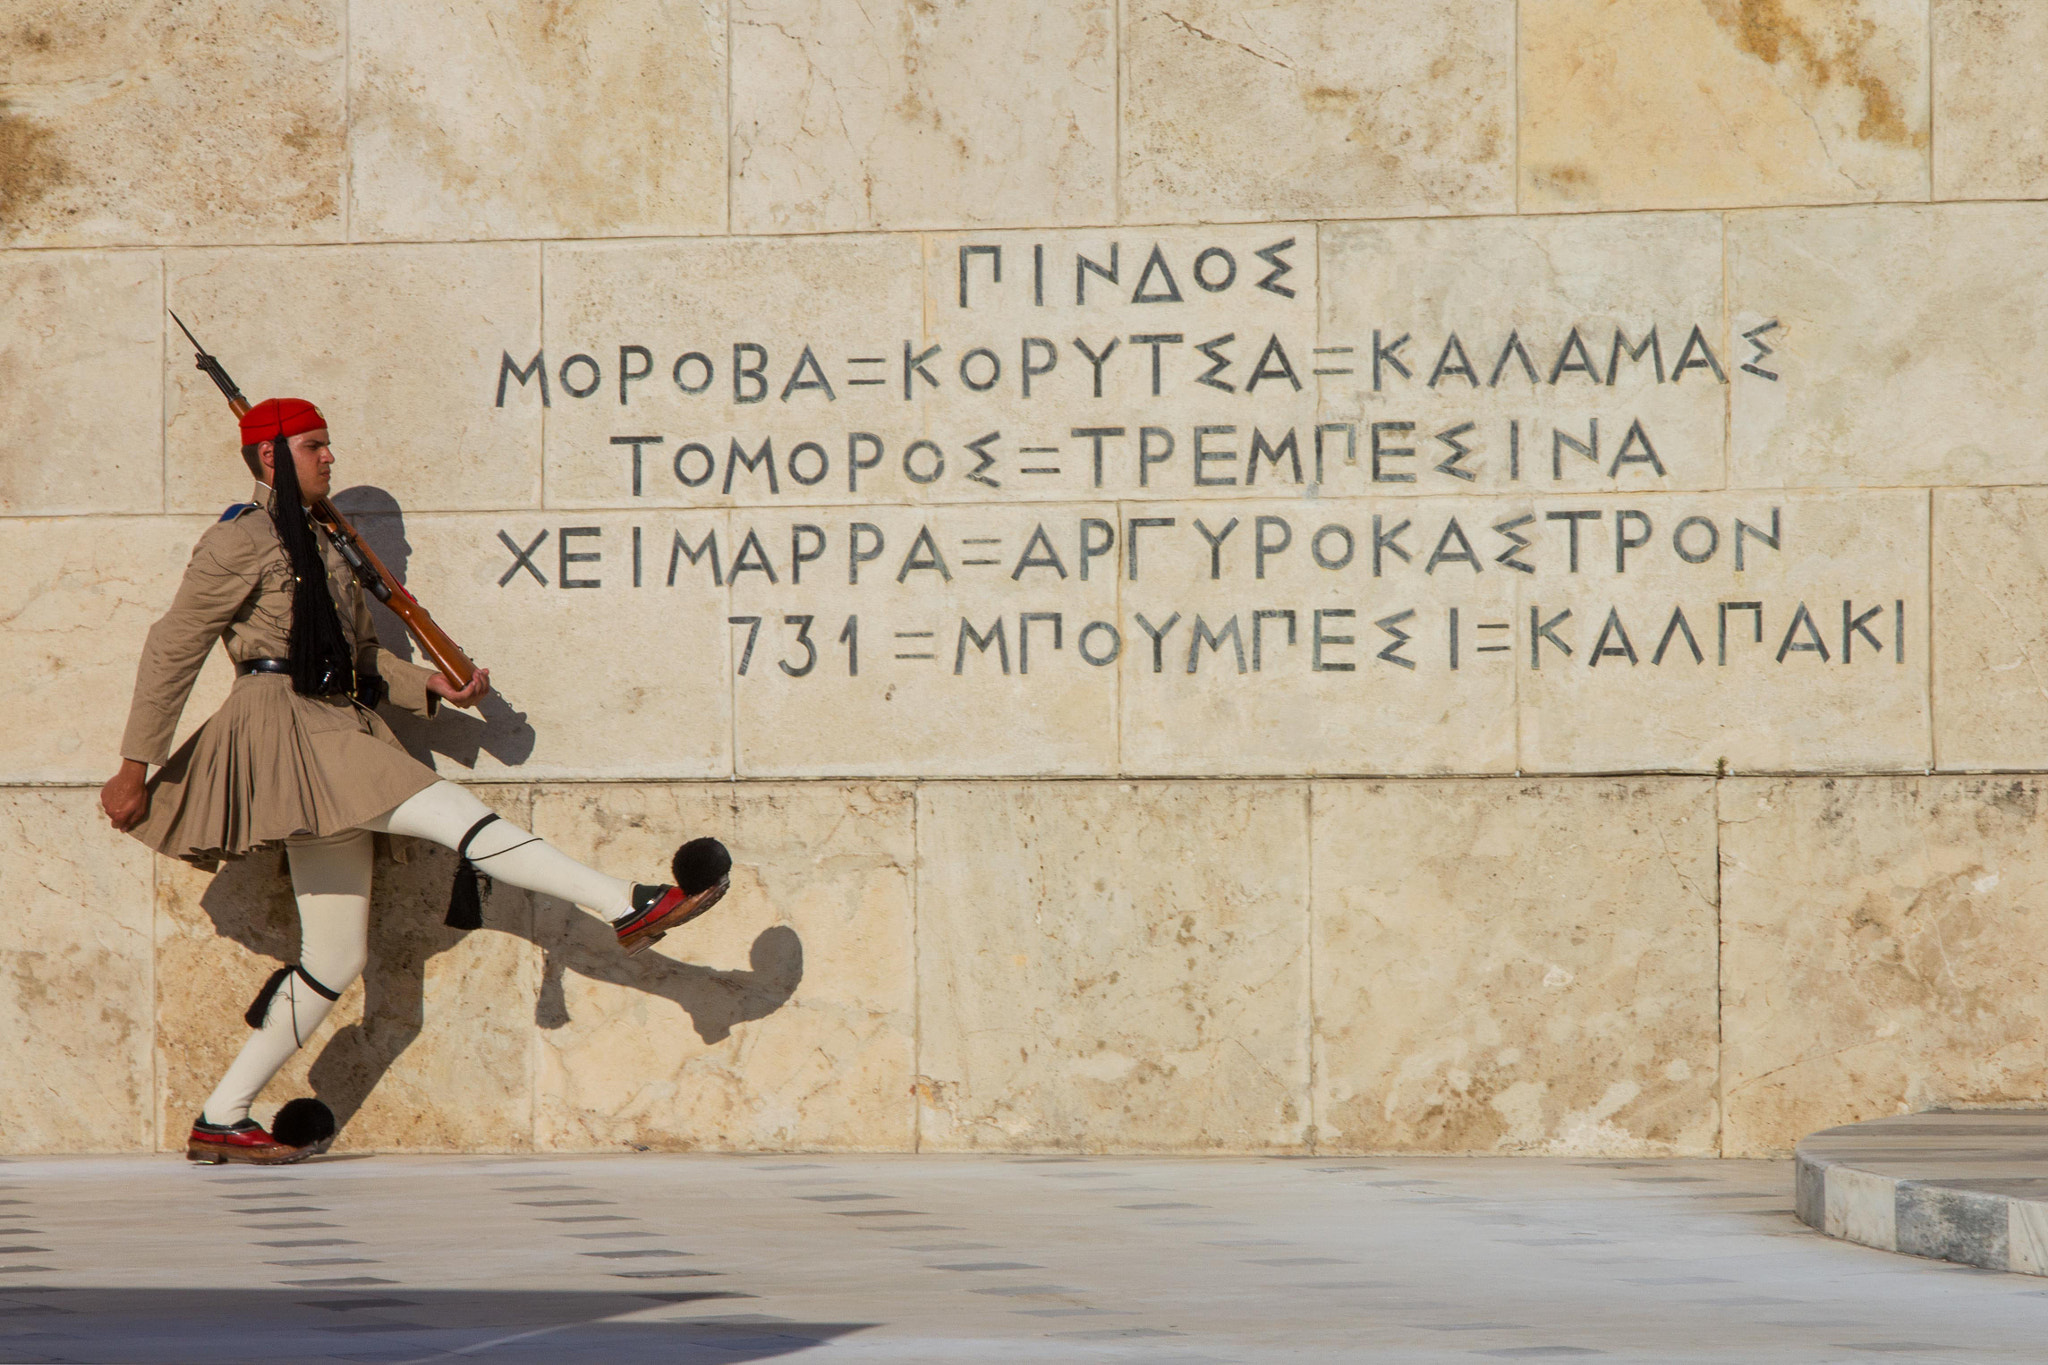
[271,765]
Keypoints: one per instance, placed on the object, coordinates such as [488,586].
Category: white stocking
[331,880]
[501,850]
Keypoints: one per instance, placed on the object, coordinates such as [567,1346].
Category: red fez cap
[277,418]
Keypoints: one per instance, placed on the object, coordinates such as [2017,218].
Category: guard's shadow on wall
[406,932]
[497,728]
[406,929]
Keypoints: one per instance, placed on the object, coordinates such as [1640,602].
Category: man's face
[313,458]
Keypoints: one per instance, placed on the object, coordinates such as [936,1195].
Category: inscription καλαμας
[1271,498]
[1164,363]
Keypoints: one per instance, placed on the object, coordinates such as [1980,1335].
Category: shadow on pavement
[385,1324]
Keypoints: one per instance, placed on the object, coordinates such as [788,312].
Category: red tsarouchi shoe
[214,1143]
[658,909]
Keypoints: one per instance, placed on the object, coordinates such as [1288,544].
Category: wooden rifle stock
[448,657]
[379,581]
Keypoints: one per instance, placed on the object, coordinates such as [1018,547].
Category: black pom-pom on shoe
[700,865]
[304,1123]
[701,869]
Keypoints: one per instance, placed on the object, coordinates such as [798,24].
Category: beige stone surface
[403,360]
[1668,104]
[783,1019]
[1197,329]
[479,120]
[592,676]
[1508,966]
[75,977]
[1113,967]
[1804,694]
[1990,679]
[80,342]
[1880,950]
[1503,339]
[431,1051]
[928,115]
[1900,343]
[76,602]
[1316,108]
[1292,662]
[162,121]
[1990,108]
[952,680]
[835,299]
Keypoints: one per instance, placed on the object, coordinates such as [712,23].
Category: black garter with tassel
[261,1006]
[465,898]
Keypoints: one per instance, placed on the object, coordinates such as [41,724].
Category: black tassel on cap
[318,650]
[465,898]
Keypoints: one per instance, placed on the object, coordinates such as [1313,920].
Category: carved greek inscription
[1348,587]
[1255,498]
[1080,364]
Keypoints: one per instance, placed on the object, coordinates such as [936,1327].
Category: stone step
[1970,1187]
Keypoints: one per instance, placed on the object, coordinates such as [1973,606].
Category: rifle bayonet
[369,570]
[213,369]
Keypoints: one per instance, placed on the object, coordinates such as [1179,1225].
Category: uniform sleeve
[217,581]
[408,684]
[407,681]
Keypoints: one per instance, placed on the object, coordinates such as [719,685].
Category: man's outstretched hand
[125,799]
[460,696]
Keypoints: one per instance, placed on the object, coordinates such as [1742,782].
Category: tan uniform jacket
[238,590]
[270,764]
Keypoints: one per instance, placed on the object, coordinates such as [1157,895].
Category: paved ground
[951,1259]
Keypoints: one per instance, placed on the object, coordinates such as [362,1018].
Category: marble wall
[1322,577]
[1628,966]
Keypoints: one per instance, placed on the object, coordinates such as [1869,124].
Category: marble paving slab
[962,1258]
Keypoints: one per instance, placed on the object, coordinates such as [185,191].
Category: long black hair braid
[319,652]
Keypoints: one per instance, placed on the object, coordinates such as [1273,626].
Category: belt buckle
[333,683]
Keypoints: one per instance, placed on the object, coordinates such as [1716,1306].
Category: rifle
[369,570]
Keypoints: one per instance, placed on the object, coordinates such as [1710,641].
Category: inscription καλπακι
[1678,630]
[1262,498]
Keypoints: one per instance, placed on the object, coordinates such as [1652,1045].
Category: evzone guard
[298,755]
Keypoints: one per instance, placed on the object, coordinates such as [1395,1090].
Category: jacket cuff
[147,740]
[408,684]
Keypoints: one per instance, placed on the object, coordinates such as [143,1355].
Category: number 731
[848,636]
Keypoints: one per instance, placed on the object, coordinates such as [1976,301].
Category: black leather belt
[338,684]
